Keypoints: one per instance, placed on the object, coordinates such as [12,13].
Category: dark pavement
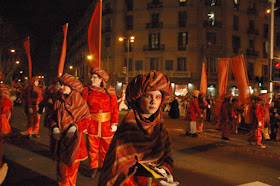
[206,160]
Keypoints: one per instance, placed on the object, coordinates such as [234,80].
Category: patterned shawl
[136,140]
[151,81]
[70,110]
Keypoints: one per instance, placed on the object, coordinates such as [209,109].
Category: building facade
[175,37]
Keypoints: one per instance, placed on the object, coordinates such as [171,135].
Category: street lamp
[17,62]
[130,39]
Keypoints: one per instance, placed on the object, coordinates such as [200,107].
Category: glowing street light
[17,62]
[12,50]
[21,72]
[71,67]
[89,57]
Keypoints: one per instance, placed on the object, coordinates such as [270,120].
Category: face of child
[96,80]
[65,89]
[150,102]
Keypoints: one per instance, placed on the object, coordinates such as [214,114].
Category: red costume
[226,115]
[104,111]
[33,96]
[5,115]
[203,104]
[258,123]
[69,110]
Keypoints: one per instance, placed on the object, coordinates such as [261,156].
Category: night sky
[42,19]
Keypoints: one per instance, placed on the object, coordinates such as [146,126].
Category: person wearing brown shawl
[70,119]
[5,116]
[140,148]
[226,116]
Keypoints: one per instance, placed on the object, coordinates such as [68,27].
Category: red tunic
[260,113]
[194,110]
[99,101]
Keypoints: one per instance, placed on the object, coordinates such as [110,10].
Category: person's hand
[259,124]
[30,110]
[71,131]
[201,115]
[113,128]
[56,133]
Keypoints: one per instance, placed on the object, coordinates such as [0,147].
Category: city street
[206,160]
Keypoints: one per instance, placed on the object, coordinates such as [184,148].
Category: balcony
[155,48]
[154,25]
[214,24]
[107,11]
[153,5]
[253,31]
[107,29]
[178,74]
[252,52]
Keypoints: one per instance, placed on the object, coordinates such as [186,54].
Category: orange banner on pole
[26,44]
[203,81]
[223,64]
[94,35]
[63,51]
[240,73]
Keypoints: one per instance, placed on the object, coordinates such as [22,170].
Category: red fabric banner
[63,51]
[27,50]
[94,35]
[240,73]
[223,64]
[203,81]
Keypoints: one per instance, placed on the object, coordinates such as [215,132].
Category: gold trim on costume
[101,116]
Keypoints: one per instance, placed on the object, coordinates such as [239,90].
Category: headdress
[72,82]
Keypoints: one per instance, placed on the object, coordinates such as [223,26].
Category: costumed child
[70,118]
[140,150]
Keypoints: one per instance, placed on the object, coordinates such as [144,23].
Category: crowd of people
[137,151]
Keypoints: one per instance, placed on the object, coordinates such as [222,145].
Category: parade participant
[203,104]
[104,111]
[258,123]
[5,116]
[51,94]
[237,111]
[266,104]
[192,114]
[226,114]
[33,96]
[141,142]
[70,118]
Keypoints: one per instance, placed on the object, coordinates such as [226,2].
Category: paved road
[206,160]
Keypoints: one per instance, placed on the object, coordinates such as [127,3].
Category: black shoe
[93,173]
[267,140]
[36,136]
[188,134]
[224,138]
[194,135]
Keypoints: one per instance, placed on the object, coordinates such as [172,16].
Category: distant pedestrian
[203,104]
[174,110]
[237,111]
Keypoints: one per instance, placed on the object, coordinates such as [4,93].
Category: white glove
[113,128]
[169,178]
[71,131]
[259,124]
[56,133]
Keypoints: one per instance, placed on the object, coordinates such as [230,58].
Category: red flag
[222,82]
[63,51]
[27,50]
[94,35]
[203,81]
[241,78]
